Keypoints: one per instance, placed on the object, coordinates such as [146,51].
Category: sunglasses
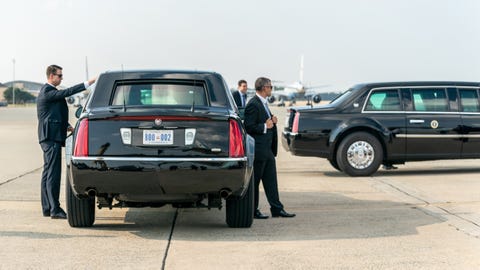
[59,75]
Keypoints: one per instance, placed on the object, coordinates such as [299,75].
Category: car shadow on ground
[319,216]
[406,172]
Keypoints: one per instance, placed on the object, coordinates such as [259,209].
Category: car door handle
[417,121]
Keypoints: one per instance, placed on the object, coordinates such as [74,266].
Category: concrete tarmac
[424,215]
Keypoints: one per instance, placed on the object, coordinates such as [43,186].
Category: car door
[433,129]
[470,114]
[385,107]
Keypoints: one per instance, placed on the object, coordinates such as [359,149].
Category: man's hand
[70,129]
[274,119]
[92,81]
[269,123]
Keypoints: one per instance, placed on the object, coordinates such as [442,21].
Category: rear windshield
[148,94]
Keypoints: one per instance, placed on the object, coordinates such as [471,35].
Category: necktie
[266,109]
[244,100]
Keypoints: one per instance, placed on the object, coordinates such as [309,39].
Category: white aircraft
[297,90]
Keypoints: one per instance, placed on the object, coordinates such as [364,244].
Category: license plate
[158,137]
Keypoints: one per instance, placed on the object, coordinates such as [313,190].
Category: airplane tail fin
[301,69]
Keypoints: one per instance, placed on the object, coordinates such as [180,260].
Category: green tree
[21,96]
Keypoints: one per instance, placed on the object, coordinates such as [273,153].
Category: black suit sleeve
[52,94]
[237,98]
[253,123]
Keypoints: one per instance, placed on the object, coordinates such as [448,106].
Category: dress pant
[266,171]
[51,175]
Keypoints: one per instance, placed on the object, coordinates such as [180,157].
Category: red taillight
[81,142]
[236,140]
[295,122]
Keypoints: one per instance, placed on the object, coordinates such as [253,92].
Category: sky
[344,42]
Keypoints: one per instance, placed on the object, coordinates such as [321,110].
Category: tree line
[21,96]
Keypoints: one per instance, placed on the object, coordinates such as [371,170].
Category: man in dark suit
[52,114]
[240,96]
[261,125]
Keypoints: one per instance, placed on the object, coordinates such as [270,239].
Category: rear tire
[80,211]
[359,154]
[239,211]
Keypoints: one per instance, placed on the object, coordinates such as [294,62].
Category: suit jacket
[266,144]
[52,112]
[237,98]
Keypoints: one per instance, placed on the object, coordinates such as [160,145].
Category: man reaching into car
[52,114]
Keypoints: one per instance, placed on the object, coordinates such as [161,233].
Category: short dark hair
[261,82]
[52,69]
[241,81]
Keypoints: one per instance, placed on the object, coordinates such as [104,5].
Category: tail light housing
[296,119]
[81,141]
[236,140]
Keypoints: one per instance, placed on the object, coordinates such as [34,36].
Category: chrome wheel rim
[360,155]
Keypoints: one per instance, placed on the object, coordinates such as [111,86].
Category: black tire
[80,211]
[334,164]
[362,161]
[239,211]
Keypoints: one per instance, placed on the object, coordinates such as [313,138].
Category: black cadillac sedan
[388,123]
[150,138]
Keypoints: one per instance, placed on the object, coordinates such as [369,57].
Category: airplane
[296,90]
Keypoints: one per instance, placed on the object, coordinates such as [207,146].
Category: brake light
[81,142]
[236,140]
[296,119]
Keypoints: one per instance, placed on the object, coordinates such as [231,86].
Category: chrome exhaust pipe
[224,193]
[91,192]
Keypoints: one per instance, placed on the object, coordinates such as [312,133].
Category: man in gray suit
[52,114]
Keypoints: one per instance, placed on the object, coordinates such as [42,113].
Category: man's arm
[52,94]
[251,124]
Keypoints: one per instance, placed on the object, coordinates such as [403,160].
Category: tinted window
[159,94]
[469,100]
[430,100]
[383,100]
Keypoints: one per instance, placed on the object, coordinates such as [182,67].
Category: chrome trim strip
[289,133]
[152,159]
[436,136]
[416,112]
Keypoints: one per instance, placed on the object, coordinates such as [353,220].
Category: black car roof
[416,83]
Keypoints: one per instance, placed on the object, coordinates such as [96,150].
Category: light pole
[13,82]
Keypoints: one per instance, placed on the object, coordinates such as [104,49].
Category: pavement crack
[427,204]
[20,176]
[404,192]
[164,261]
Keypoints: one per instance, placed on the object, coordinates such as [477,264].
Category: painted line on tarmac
[20,176]
[164,261]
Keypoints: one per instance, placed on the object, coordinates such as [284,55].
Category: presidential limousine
[388,123]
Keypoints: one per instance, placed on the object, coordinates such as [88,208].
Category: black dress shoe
[259,215]
[46,214]
[60,215]
[282,213]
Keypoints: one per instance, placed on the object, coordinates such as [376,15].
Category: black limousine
[150,138]
[388,123]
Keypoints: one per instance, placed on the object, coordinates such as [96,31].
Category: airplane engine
[317,99]
[271,99]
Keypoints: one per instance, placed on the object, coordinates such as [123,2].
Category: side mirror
[317,99]
[78,112]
